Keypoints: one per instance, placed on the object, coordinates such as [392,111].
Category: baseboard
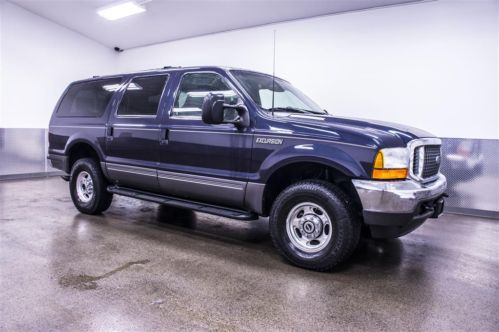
[24,176]
[472,212]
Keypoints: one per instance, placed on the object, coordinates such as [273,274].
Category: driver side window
[192,90]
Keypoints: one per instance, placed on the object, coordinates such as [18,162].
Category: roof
[166,69]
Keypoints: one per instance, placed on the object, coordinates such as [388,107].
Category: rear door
[199,161]
[133,132]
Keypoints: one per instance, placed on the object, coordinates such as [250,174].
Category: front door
[133,133]
[199,161]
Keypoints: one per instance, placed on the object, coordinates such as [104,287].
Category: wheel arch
[82,148]
[292,171]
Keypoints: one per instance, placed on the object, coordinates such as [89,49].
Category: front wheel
[88,187]
[313,226]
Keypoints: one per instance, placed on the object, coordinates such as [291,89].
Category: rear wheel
[88,187]
[312,225]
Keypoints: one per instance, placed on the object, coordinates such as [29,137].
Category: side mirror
[215,111]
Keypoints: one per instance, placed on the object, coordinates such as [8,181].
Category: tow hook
[438,206]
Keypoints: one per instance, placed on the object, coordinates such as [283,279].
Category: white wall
[1,72]
[432,65]
[38,59]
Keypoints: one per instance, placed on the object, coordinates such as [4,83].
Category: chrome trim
[412,145]
[397,196]
[131,169]
[203,180]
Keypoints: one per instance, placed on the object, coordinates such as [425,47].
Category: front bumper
[395,208]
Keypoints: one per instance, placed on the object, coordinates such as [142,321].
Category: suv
[242,144]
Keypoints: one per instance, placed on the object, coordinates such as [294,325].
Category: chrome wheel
[84,187]
[309,227]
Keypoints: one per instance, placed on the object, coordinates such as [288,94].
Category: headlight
[391,164]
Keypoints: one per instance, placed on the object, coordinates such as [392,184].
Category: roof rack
[170,67]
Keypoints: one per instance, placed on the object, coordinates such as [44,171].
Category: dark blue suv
[243,144]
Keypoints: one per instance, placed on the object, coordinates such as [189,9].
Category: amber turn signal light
[382,173]
[390,174]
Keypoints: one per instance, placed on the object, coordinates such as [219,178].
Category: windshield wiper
[292,110]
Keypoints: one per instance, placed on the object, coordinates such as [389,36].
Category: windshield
[286,97]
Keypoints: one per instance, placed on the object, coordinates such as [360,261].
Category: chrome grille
[431,163]
[415,164]
[425,161]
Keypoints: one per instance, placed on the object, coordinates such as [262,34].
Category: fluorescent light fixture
[120,10]
[134,86]
[115,87]
[111,87]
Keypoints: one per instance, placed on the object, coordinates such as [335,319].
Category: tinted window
[142,96]
[88,99]
[192,90]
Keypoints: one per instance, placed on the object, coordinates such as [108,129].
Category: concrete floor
[140,267]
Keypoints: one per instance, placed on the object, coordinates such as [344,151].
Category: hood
[366,132]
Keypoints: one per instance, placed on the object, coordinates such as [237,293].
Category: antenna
[273,78]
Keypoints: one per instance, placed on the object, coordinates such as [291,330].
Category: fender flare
[326,155]
[73,140]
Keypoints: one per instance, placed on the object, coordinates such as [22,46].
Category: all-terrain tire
[89,171]
[344,224]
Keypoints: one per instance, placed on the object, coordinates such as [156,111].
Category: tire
[87,171]
[329,210]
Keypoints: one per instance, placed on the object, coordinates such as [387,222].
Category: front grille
[431,163]
[426,161]
[415,165]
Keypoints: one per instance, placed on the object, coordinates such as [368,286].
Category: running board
[184,203]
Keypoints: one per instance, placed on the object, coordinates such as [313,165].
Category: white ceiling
[167,20]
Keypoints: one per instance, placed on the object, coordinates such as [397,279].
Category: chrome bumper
[397,196]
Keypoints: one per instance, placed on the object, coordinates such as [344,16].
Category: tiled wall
[472,170]
[471,167]
[23,152]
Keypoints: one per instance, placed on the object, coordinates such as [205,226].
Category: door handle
[109,133]
[163,140]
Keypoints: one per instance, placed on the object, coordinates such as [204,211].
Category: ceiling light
[120,10]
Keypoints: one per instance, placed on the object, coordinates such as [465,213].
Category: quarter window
[142,96]
[88,99]
[192,90]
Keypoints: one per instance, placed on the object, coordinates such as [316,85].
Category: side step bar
[184,203]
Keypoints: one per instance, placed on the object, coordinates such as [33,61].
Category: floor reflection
[178,217]
[380,253]
[161,265]
[249,231]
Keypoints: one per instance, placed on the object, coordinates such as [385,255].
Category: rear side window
[142,96]
[88,99]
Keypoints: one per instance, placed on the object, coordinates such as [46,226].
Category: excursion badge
[268,140]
